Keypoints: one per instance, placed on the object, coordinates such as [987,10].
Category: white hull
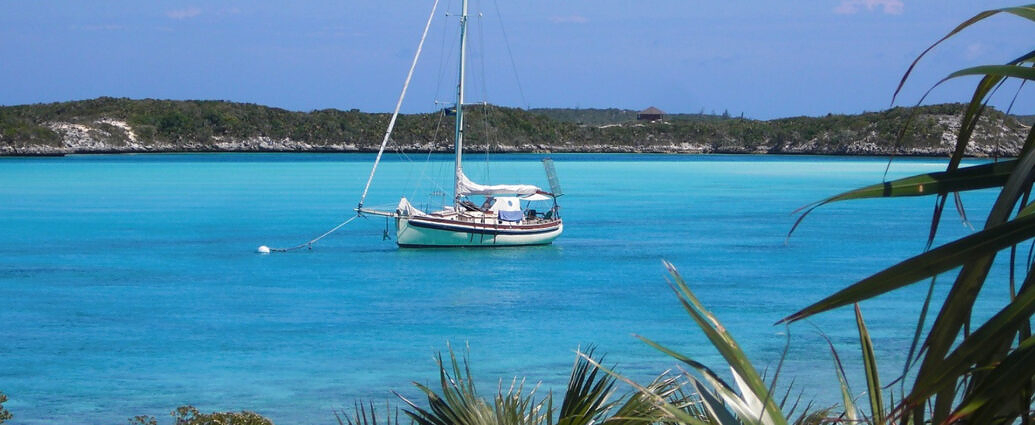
[443,232]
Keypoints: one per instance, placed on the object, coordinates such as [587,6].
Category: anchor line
[384,143]
[314,240]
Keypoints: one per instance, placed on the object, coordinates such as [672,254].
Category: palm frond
[975,177]
[873,387]
[366,414]
[586,398]
[459,403]
[515,407]
[640,409]
[753,390]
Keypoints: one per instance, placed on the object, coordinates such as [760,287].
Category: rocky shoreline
[73,144]
[287,146]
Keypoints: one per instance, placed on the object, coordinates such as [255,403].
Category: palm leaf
[1003,71]
[716,409]
[969,178]
[459,403]
[588,390]
[847,400]
[517,408]
[639,409]
[1002,384]
[870,365]
[1027,12]
[928,264]
[918,332]
[672,411]
[1001,327]
[954,314]
[753,387]
[746,407]
[361,416]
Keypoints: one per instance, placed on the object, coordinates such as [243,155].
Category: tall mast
[459,136]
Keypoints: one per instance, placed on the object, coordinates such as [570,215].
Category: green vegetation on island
[126,125]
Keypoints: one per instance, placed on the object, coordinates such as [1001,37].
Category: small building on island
[651,114]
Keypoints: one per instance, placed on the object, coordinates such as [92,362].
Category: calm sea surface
[130,285]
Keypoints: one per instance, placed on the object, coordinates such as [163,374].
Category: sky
[762,59]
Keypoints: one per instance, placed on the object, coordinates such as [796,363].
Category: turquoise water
[130,284]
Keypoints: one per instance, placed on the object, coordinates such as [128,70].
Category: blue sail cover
[511,215]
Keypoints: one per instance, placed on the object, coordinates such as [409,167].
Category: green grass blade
[999,329]
[716,409]
[847,401]
[964,179]
[1027,210]
[918,332]
[587,394]
[954,314]
[873,386]
[1001,384]
[946,257]
[673,412]
[458,404]
[988,85]
[1027,12]
[639,409]
[1007,71]
[699,367]
[727,347]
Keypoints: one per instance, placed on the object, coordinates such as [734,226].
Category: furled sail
[467,187]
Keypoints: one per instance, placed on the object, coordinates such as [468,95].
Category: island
[120,125]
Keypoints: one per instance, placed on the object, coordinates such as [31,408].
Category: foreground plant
[978,372]
[589,399]
[748,401]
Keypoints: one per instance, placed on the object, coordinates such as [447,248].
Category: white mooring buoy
[264,249]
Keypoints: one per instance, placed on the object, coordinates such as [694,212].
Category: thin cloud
[187,13]
[888,7]
[974,51]
[573,19]
[229,11]
[98,27]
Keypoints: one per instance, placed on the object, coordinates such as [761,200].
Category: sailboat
[503,218]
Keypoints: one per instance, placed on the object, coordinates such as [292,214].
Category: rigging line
[427,159]
[398,105]
[483,57]
[442,55]
[265,249]
[488,140]
[513,65]
[485,94]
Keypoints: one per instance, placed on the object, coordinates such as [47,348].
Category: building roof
[652,111]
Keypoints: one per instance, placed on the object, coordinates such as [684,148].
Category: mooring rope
[388,133]
[266,250]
